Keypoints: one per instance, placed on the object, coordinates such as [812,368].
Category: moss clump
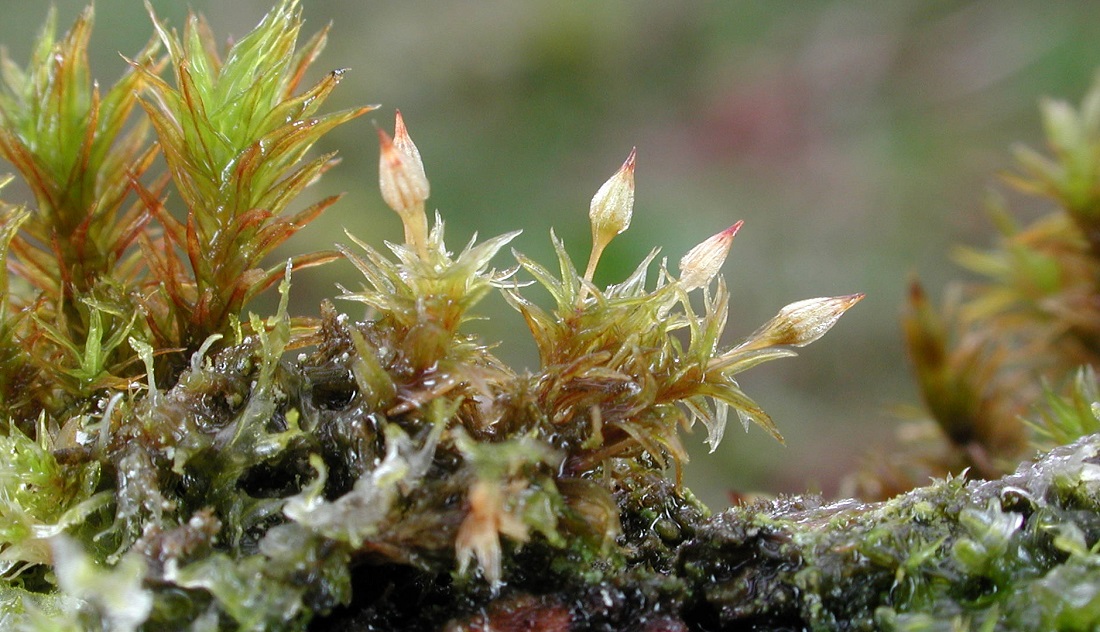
[170,466]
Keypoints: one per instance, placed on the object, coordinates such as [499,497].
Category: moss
[174,462]
[989,555]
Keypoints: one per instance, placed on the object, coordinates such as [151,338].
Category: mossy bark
[1017,553]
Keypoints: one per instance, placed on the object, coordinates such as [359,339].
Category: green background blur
[856,139]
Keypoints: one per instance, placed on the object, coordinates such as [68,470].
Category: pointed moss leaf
[145,352]
[747,410]
[737,360]
[634,284]
[716,424]
[544,277]
[474,258]
[707,331]
[10,222]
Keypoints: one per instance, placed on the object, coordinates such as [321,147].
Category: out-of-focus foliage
[1031,319]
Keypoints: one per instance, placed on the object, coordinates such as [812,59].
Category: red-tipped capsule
[801,323]
[401,175]
[613,204]
[403,183]
[405,145]
[610,211]
[701,263]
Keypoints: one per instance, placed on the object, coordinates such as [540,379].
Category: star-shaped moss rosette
[235,137]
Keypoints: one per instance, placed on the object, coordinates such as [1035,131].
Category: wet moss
[172,464]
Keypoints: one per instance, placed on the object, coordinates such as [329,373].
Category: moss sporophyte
[170,461]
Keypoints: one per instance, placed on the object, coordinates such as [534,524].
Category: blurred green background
[857,139]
